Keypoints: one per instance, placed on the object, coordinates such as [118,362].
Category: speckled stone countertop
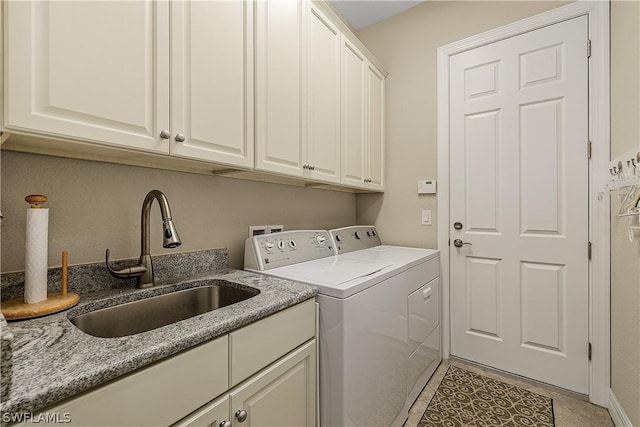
[53,360]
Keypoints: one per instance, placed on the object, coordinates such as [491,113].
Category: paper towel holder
[36,200]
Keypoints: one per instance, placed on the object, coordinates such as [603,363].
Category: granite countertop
[53,360]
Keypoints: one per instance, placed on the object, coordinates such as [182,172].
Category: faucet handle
[127,272]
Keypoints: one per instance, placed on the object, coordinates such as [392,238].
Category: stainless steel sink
[150,313]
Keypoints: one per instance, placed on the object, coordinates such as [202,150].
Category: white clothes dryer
[362,325]
[422,293]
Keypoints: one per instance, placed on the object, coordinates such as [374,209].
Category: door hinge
[589,48]
[589,147]
[589,250]
[589,352]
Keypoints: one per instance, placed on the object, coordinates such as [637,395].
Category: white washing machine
[362,330]
[422,293]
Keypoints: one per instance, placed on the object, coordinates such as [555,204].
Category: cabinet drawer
[255,346]
[156,395]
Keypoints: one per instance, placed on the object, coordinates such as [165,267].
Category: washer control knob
[338,238]
[373,232]
[281,244]
[369,234]
[321,239]
[292,243]
[357,235]
[269,246]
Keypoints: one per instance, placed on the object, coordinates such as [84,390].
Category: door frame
[599,204]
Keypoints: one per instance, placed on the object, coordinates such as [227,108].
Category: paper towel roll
[35,275]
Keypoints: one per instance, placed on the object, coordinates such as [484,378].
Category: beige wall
[625,255]
[94,206]
[406,44]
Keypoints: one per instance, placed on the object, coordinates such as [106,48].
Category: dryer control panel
[349,239]
[268,251]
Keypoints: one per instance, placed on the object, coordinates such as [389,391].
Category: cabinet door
[94,70]
[280,100]
[212,415]
[354,68]
[212,81]
[323,95]
[284,394]
[375,128]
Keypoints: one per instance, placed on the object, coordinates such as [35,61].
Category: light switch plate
[426,217]
[427,186]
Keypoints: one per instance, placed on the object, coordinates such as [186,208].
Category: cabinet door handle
[180,138]
[241,415]
[305,166]
[165,134]
[225,423]
[312,168]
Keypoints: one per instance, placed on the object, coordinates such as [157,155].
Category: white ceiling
[362,13]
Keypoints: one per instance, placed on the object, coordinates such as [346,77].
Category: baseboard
[619,417]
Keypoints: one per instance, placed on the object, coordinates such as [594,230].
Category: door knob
[241,415]
[458,243]
[165,134]
[180,138]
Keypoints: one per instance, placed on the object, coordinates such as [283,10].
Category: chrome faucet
[144,269]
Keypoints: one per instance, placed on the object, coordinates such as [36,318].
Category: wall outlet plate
[256,230]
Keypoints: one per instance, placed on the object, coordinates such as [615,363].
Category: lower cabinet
[284,394]
[263,374]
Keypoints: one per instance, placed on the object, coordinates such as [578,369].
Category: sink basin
[150,313]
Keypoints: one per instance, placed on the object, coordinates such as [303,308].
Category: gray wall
[94,206]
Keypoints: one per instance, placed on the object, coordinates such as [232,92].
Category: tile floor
[568,411]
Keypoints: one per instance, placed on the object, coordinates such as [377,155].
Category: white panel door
[354,75]
[323,98]
[280,98]
[212,81]
[70,73]
[519,182]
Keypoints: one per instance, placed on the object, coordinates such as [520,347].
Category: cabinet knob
[180,138]
[241,415]
[312,168]
[165,134]
[225,423]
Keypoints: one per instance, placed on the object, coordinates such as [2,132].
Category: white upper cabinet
[362,120]
[375,128]
[280,98]
[212,81]
[354,74]
[278,86]
[99,71]
[323,98]
[95,71]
